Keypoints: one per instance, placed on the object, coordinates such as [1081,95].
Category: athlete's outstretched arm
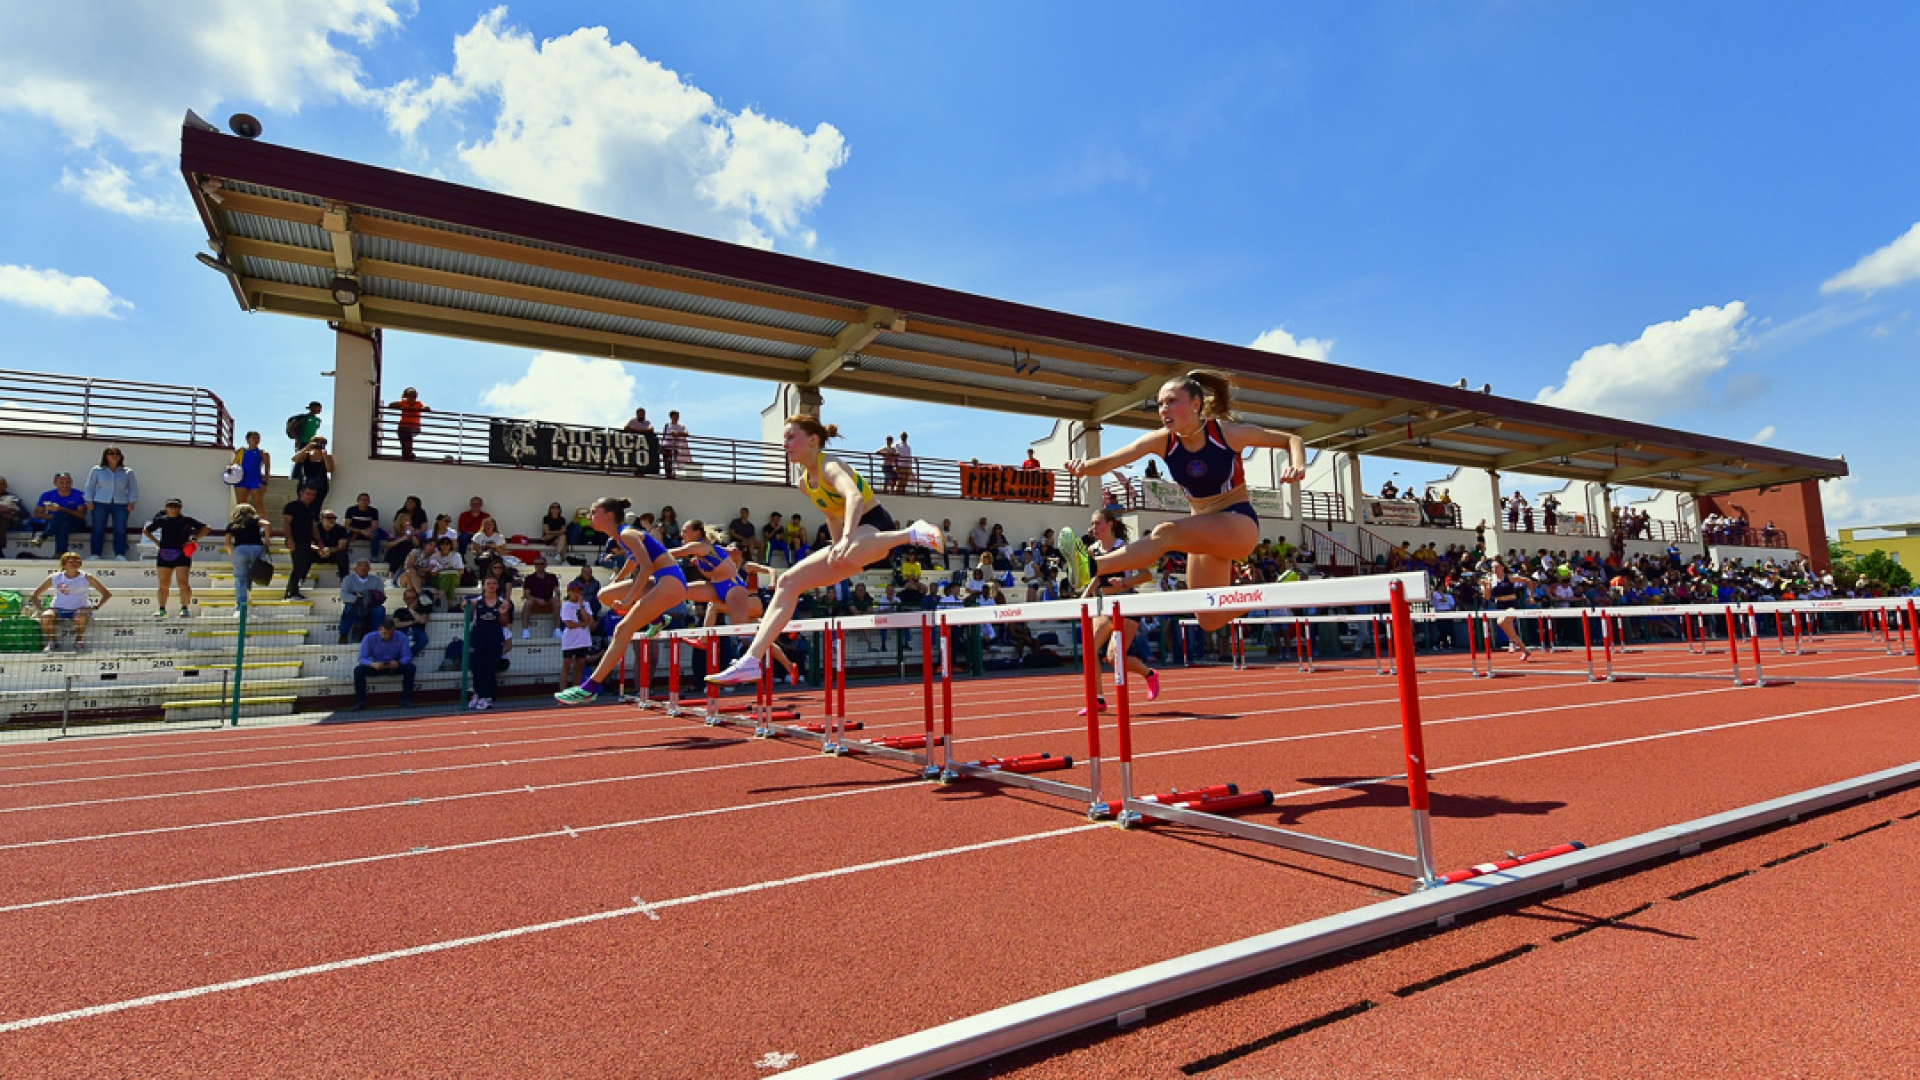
[1146,444]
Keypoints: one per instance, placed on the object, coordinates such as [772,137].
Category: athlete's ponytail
[1115,525]
[1214,390]
[811,424]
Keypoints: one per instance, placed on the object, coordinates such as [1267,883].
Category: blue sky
[1702,216]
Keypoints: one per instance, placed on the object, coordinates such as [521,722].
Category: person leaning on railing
[410,407]
[12,512]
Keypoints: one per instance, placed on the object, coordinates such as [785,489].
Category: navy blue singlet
[1210,471]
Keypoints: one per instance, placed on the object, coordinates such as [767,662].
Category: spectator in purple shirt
[384,652]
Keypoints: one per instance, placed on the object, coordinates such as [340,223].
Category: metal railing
[1325,506]
[110,410]
[1330,556]
[463,439]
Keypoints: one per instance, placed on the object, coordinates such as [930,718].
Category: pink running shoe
[1153,685]
[1099,706]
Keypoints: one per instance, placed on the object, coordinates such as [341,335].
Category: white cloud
[1895,264]
[1764,435]
[124,72]
[51,290]
[1277,340]
[1663,371]
[1844,508]
[110,187]
[586,122]
[569,390]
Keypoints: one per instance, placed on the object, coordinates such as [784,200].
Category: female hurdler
[723,591]
[1201,444]
[649,584]
[863,532]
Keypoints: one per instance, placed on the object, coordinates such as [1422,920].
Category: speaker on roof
[244,125]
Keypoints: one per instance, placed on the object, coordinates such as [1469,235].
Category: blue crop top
[1212,470]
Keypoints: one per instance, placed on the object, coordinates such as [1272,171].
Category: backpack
[294,423]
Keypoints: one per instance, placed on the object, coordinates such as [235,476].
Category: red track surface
[604,892]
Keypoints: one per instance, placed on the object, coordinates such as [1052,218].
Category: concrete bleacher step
[216,709]
[259,636]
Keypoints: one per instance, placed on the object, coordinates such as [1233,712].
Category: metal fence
[464,439]
[70,407]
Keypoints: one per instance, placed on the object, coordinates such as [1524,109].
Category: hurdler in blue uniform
[1201,444]
[647,585]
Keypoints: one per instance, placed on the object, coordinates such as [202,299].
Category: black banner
[1006,483]
[536,444]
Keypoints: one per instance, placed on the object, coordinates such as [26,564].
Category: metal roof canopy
[440,258]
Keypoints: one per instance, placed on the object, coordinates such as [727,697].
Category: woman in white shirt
[72,601]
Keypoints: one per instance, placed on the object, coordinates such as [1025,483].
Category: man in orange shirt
[410,407]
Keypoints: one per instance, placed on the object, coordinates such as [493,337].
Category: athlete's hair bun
[613,505]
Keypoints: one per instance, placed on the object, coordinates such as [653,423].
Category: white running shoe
[927,535]
[744,670]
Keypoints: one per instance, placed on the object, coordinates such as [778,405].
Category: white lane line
[108,1008]
[296,762]
[471,845]
[1610,744]
[161,830]
[435,730]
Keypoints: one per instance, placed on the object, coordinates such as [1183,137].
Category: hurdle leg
[1733,646]
[1916,634]
[1586,638]
[1090,669]
[1606,643]
[928,770]
[643,679]
[673,677]
[1753,634]
[948,774]
[1123,716]
[1412,737]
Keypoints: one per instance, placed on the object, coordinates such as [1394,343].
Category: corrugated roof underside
[1011,383]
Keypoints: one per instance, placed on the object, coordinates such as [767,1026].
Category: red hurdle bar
[1509,863]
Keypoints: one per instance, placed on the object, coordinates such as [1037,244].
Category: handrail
[1327,550]
[463,439]
[1324,506]
[112,410]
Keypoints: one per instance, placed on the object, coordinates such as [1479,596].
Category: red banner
[1006,483]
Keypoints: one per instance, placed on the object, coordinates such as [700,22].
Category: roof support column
[1355,496]
[1499,511]
[1089,447]
[353,406]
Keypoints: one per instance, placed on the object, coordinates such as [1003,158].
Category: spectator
[72,602]
[774,535]
[589,587]
[175,534]
[255,467]
[297,524]
[487,545]
[410,407]
[313,467]
[910,571]
[673,446]
[553,531]
[12,511]
[411,510]
[822,537]
[542,590]
[498,570]
[744,535]
[979,539]
[112,491]
[331,541]
[796,537]
[1550,513]
[905,464]
[1153,470]
[489,637]
[576,634]
[470,519]
[443,526]
[1032,462]
[1389,491]
[402,543]
[417,573]
[669,526]
[411,620]
[363,523]
[384,652]
[946,543]
[639,425]
[245,544]
[363,601]
[446,566]
[302,427]
[889,467]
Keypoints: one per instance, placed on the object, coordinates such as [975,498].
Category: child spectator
[576,635]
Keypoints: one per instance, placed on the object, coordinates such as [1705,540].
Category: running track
[604,892]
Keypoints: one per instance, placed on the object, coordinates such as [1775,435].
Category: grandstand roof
[434,257]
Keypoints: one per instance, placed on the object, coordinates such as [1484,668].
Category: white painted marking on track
[471,845]
[775,1059]
[109,1008]
[645,907]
